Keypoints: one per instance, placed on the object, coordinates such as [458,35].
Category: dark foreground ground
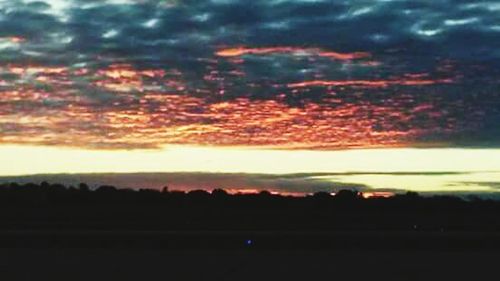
[51,232]
[148,264]
[156,255]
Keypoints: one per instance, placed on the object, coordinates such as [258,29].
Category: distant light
[249,242]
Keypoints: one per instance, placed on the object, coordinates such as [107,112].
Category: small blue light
[249,242]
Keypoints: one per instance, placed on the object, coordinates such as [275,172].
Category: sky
[261,86]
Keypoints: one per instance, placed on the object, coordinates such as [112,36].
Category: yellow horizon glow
[476,168]
[25,160]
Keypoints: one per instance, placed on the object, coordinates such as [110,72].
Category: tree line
[48,205]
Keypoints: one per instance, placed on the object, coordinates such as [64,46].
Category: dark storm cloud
[130,27]
[285,73]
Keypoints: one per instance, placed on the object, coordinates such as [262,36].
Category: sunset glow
[424,170]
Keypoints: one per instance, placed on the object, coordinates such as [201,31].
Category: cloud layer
[286,184]
[312,74]
[293,184]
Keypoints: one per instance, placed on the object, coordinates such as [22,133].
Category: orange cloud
[377,194]
[369,83]
[240,51]
[149,108]
[160,119]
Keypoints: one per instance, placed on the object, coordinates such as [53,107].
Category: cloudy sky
[122,76]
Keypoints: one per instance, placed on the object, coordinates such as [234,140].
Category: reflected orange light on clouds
[13,39]
[241,51]
[17,39]
[257,191]
[160,119]
[377,194]
[370,83]
[122,106]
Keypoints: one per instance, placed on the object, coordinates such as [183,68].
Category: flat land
[156,255]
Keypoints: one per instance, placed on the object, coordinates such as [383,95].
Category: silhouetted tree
[412,194]
[198,194]
[347,195]
[106,188]
[83,187]
[265,193]
[219,192]
[322,195]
